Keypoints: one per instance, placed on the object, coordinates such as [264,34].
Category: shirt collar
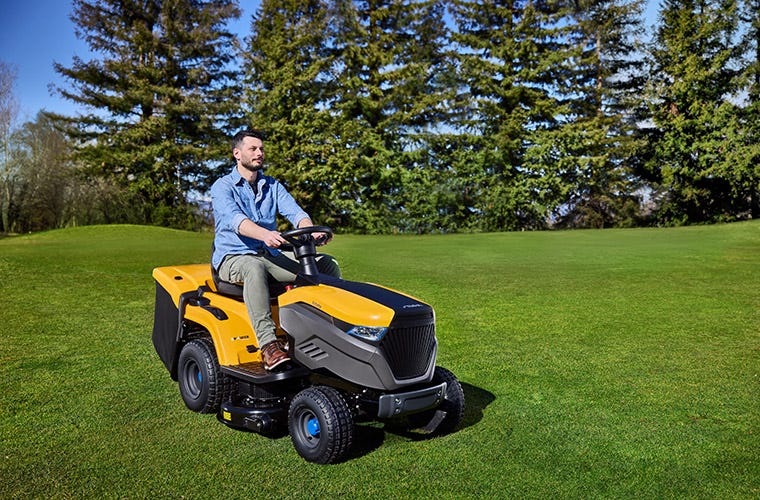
[238,179]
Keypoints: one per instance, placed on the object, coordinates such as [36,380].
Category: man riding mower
[357,352]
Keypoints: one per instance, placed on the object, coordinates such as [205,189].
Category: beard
[251,166]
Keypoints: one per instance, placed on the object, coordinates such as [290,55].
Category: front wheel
[445,418]
[320,425]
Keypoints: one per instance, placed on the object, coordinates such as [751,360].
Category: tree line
[401,115]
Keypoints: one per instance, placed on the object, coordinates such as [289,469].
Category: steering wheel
[292,236]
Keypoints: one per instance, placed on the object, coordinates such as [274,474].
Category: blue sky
[36,33]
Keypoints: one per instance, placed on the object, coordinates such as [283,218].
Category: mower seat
[232,290]
[235,290]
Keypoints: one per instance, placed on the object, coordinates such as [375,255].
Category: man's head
[248,149]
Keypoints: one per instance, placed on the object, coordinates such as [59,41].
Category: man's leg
[254,271]
[251,271]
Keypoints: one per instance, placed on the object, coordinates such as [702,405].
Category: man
[246,203]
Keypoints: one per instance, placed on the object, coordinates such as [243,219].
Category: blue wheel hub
[312,427]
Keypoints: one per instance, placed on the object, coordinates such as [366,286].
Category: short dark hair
[251,132]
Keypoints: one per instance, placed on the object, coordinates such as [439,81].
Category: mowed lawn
[596,364]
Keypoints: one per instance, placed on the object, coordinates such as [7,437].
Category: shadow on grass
[368,438]
[475,401]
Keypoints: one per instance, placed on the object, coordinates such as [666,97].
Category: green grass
[596,364]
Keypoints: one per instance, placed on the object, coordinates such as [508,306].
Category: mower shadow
[475,401]
[368,438]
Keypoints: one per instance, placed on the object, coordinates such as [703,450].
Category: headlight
[371,333]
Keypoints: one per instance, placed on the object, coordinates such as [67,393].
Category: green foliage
[507,59]
[699,140]
[744,163]
[596,364]
[594,144]
[347,91]
[544,121]
[160,95]
[419,115]
[285,65]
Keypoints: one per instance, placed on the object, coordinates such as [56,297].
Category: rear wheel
[320,425]
[202,384]
[448,414]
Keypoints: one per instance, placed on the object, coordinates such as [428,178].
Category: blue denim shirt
[235,200]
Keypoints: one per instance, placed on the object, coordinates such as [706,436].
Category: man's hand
[322,238]
[272,239]
[319,238]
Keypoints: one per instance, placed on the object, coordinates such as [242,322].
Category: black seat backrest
[233,290]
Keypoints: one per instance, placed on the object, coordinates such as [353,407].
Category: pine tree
[159,97]
[512,56]
[746,160]
[347,91]
[693,83]
[595,142]
[388,55]
[286,69]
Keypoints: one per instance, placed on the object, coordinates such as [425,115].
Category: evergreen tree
[286,70]
[694,112]
[595,142]
[511,57]
[746,160]
[159,96]
[347,91]
[387,62]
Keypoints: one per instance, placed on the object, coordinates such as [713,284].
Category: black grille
[408,349]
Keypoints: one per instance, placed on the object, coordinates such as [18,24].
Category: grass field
[596,364]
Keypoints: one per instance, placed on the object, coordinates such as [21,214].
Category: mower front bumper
[394,405]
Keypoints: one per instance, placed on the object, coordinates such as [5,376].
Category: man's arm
[271,239]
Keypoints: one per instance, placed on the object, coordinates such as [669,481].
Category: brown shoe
[273,355]
[284,344]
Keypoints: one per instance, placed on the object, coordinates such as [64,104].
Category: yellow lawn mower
[359,352]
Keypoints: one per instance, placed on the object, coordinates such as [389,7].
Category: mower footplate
[256,373]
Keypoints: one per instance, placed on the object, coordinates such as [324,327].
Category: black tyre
[201,382]
[449,414]
[320,425]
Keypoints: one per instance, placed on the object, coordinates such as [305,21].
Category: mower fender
[186,293]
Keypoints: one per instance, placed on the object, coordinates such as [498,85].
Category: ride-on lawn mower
[359,351]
